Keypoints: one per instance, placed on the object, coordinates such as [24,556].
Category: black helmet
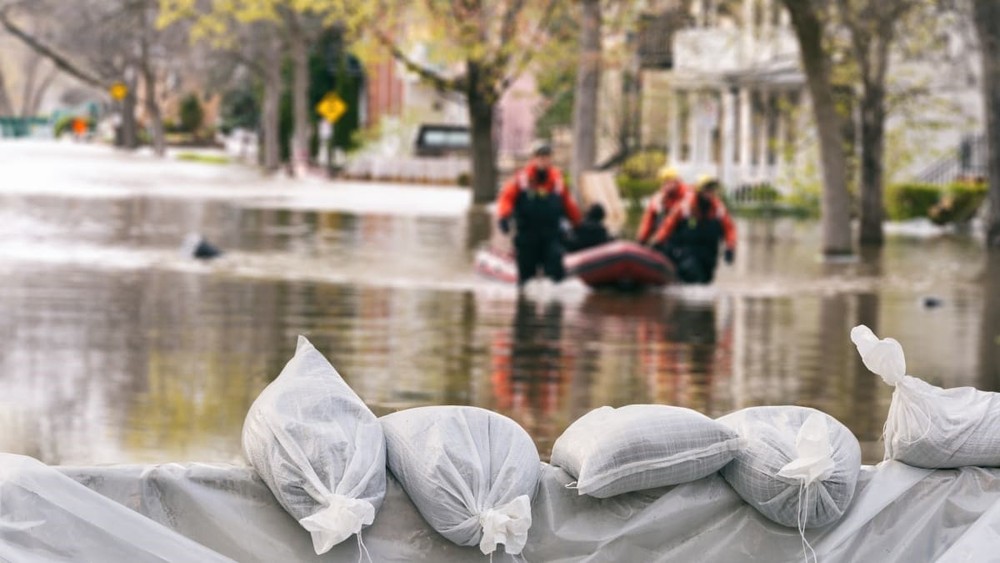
[596,212]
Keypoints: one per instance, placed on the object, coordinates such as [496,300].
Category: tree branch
[456,84]
[503,59]
[59,60]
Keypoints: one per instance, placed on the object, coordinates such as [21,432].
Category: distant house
[402,99]
[737,105]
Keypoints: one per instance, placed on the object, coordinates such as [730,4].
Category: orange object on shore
[79,126]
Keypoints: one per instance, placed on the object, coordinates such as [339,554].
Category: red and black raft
[622,265]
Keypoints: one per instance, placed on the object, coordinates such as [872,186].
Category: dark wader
[694,249]
[538,242]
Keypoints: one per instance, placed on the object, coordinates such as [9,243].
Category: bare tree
[100,42]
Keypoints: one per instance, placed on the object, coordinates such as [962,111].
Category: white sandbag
[613,451]
[320,450]
[929,426]
[799,467]
[470,472]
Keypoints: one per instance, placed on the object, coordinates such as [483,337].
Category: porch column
[745,131]
[694,139]
[674,127]
[762,133]
[781,135]
[727,132]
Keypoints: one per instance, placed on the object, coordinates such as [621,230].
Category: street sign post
[118,91]
[331,107]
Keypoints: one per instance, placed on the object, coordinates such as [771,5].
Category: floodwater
[116,348]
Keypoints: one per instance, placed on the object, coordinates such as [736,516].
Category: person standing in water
[538,203]
[691,234]
[672,191]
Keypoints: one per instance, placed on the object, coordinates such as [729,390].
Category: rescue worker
[691,234]
[672,191]
[591,231]
[539,204]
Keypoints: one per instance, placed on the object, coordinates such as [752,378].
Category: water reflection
[531,368]
[552,365]
[128,352]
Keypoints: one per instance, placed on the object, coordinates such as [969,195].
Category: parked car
[443,140]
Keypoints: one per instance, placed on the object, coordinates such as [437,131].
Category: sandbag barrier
[642,482]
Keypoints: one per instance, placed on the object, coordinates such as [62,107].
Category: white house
[738,104]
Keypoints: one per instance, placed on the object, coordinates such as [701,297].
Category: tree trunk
[5,106]
[300,103]
[989,330]
[151,104]
[481,101]
[129,138]
[987,20]
[836,217]
[588,79]
[872,152]
[271,118]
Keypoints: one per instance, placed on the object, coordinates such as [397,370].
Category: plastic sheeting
[899,513]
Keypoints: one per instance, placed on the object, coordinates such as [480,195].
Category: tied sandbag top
[318,448]
[470,472]
[928,426]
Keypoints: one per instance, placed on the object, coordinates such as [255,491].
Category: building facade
[738,107]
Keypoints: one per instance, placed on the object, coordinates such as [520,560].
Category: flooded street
[114,347]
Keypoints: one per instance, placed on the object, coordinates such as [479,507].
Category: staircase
[968,161]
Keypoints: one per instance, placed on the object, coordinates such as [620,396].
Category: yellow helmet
[705,180]
[667,173]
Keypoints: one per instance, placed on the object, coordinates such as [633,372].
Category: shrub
[909,201]
[643,165]
[754,194]
[634,189]
[191,114]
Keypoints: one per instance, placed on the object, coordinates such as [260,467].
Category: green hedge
[635,189]
[644,164]
[912,200]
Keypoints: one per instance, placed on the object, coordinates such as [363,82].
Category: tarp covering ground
[214,512]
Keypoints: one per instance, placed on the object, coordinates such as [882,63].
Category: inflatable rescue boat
[618,264]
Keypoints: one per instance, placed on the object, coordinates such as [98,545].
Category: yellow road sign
[118,91]
[331,107]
